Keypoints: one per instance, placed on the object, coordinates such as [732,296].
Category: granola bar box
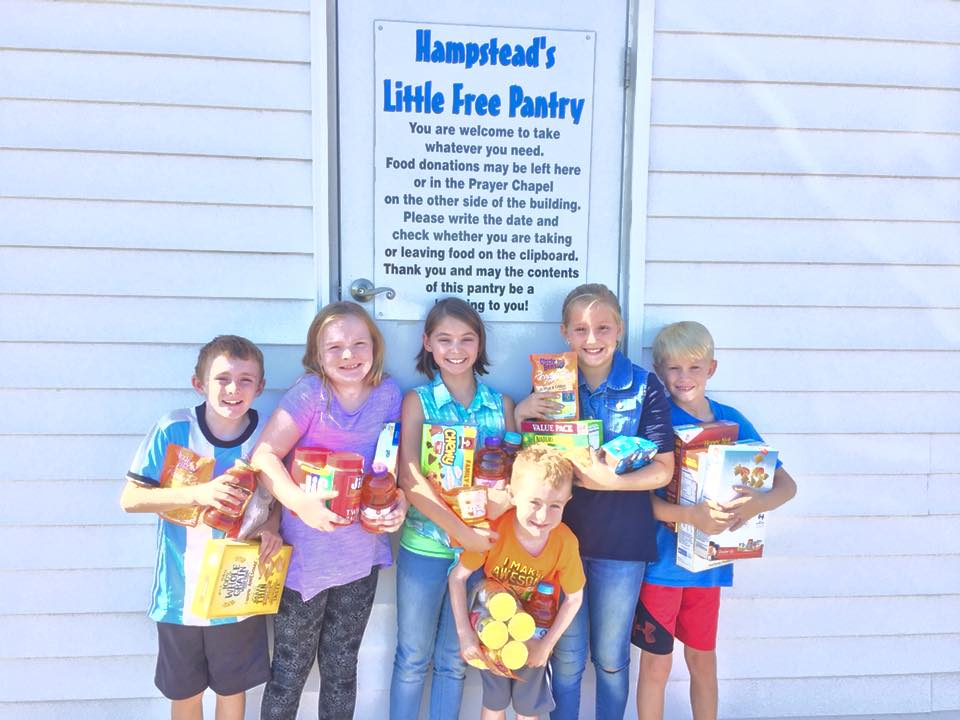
[564,435]
[232,581]
[446,454]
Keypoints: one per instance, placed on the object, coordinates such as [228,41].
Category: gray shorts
[531,694]
[229,658]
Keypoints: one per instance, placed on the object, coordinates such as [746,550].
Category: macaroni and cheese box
[557,373]
[630,453]
[719,468]
[233,583]
[563,434]
[446,455]
[688,440]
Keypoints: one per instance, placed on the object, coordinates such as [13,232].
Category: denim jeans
[426,632]
[603,624]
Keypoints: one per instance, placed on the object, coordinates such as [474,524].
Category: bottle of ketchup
[378,497]
[244,478]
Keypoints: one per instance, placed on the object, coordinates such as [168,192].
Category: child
[340,404]
[532,538]
[453,355]
[227,655]
[675,602]
[610,514]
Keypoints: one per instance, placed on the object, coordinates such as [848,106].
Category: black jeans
[328,627]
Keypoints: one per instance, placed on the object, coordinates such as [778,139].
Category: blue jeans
[425,631]
[603,623]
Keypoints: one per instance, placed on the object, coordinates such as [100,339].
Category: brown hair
[591,293]
[464,312]
[231,345]
[330,313]
[544,463]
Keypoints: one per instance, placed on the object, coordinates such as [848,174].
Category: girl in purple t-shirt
[340,405]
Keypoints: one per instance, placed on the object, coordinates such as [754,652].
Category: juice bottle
[490,465]
[511,446]
[378,497]
[543,607]
[244,478]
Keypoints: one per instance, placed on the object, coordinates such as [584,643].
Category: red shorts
[688,614]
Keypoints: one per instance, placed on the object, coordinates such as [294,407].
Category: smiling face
[539,504]
[230,387]
[454,346]
[345,351]
[593,330]
[686,381]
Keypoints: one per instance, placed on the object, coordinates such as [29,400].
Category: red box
[690,438]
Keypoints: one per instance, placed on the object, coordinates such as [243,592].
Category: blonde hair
[336,311]
[545,464]
[688,340]
[591,293]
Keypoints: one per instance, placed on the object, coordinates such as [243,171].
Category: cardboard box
[630,453]
[690,438]
[557,373]
[719,468]
[446,454]
[563,434]
[388,445]
[231,582]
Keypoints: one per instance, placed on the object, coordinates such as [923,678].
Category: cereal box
[446,454]
[693,437]
[628,452]
[564,435]
[719,468]
[388,445]
[232,582]
[557,373]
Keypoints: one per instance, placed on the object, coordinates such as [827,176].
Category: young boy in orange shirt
[532,545]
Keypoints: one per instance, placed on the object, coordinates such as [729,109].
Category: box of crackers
[719,469]
[232,581]
[564,435]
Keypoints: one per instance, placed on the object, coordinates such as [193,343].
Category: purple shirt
[320,559]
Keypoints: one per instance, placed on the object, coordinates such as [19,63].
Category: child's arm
[534,406]
[751,502]
[540,649]
[708,516]
[269,534]
[469,642]
[597,475]
[219,493]
[278,438]
[418,489]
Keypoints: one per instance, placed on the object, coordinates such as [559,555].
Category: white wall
[156,190]
[803,205]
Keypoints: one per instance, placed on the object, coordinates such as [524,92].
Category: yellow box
[231,583]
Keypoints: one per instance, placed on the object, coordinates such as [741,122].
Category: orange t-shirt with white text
[510,563]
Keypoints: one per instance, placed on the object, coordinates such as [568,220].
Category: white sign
[482,175]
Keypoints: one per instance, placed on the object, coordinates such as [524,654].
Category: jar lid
[345,461]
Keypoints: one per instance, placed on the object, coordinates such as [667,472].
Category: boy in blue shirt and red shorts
[674,602]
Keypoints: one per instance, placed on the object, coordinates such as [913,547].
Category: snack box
[690,438]
[388,444]
[720,467]
[232,583]
[563,434]
[446,454]
[630,452]
[557,373]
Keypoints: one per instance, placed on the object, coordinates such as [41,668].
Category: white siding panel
[804,151]
[92,223]
[77,503]
[863,242]
[818,60]
[747,283]
[844,496]
[943,450]
[842,577]
[929,20]
[145,367]
[170,319]
[42,271]
[51,125]
[865,536]
[106,412]
[77,457]
[815,328]
[946,691]
[816,618]
[41,636]
[42,592]
[157,708]
[803,196]
[127,176]
[57,548]
[853,454]
[145,29]
[943,495]
[85,679]
[281,5]
[690,102]
[166,80]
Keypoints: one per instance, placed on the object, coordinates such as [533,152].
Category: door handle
[363,290]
